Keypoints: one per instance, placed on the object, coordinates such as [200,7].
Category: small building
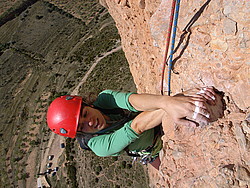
[56,169]
[49,165]
[51,157]
[53,174]
[48,171]
[62,145]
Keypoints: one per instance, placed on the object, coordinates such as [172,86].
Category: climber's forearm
[149,102]
[179,107]
[147,120]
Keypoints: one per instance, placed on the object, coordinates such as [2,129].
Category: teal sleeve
[110,99]
[112,144]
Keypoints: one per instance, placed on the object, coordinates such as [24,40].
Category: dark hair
[89,98]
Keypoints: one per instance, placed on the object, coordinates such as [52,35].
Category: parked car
[53,174]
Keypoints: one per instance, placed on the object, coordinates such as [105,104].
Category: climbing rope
[167,43]
[175,14]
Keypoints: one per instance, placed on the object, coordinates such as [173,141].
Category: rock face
[212,48]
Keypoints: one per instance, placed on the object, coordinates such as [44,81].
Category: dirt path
[76,90]
[21,86]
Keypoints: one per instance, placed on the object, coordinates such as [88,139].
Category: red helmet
[63,115]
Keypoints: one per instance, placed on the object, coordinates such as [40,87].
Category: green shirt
[114,143]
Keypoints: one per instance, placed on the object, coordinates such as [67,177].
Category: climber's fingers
[185,122]
[199,103]
[200,116]
[208,93]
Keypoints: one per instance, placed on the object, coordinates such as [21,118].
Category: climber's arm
[178,107]
[147,120]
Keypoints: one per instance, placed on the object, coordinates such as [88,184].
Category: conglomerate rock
[212,48]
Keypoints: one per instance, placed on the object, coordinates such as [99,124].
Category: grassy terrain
[44,52]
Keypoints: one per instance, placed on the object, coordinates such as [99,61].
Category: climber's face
[91,120]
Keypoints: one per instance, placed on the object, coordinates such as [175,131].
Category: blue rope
[172,46]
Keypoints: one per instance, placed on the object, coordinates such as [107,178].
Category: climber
[106,130]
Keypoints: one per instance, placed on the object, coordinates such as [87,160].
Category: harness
[149,154]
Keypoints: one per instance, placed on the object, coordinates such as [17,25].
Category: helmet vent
[69,97]
[63,131]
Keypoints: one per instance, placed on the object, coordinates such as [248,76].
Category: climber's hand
[206,92]
[181,108]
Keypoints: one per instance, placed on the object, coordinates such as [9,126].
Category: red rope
[167,43]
